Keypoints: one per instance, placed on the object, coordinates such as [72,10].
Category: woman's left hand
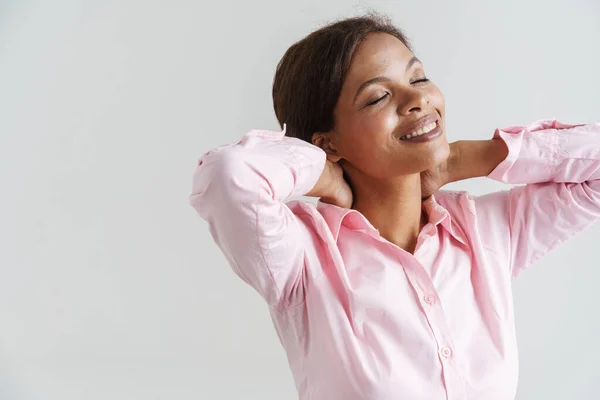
[467,159]
[432,180]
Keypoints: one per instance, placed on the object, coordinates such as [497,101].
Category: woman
[384,290]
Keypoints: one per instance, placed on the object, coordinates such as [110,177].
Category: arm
[475,158]
[559,166]
[240,191]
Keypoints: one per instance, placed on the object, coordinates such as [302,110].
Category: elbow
[585,197]
[592,191]
[220,177]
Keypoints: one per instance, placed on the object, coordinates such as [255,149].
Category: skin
[387,179]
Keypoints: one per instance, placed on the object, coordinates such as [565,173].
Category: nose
[413,100]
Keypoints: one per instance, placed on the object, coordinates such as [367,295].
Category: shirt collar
[336,216]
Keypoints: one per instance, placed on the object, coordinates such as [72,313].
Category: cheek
[436,98]
[374,129]
[369,138]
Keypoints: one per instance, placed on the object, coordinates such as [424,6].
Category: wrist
[453,166]
[475,158]
[325,186]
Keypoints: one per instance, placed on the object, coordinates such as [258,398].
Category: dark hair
[310,75]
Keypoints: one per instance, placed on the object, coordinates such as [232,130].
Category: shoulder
[301,207]
[307,214]
[456,201]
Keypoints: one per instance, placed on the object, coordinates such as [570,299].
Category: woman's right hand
[331,187]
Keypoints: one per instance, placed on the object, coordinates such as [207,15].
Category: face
[385,96]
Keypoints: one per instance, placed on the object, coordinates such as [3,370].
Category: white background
[111,286]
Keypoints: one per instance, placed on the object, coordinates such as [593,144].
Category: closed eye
[377,100]
[421,80]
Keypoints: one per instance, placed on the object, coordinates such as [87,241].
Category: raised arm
[240,191]
[559,166]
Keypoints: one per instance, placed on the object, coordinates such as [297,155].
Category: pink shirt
[359,317]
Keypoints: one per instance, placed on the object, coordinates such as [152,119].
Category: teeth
[419,132]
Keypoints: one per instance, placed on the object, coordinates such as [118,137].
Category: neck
[392,207]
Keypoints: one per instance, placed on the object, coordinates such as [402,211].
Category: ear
[325,142]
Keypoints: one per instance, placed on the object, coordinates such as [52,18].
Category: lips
[418,125]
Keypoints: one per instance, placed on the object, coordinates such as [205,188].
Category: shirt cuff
[533,152]
[305,161]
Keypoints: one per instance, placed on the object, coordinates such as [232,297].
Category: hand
[433,179]
[331,187]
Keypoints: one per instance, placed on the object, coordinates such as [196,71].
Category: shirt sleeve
[558,166]
[240,189]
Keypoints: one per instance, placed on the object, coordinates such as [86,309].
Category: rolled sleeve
[558,166]
[240,190]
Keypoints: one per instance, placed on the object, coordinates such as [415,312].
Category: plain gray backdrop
[111,286]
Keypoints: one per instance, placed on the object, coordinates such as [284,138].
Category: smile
[424,134]
[426,129]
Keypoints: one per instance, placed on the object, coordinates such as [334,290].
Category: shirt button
[429,299]
[446,352]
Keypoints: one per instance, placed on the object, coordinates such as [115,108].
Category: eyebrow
[378,79]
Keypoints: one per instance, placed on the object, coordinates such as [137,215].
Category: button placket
[426,292]
[446,352]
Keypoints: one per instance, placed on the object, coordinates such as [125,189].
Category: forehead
[377,53]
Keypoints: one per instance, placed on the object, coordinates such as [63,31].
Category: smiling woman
[361,89]
[389,289]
